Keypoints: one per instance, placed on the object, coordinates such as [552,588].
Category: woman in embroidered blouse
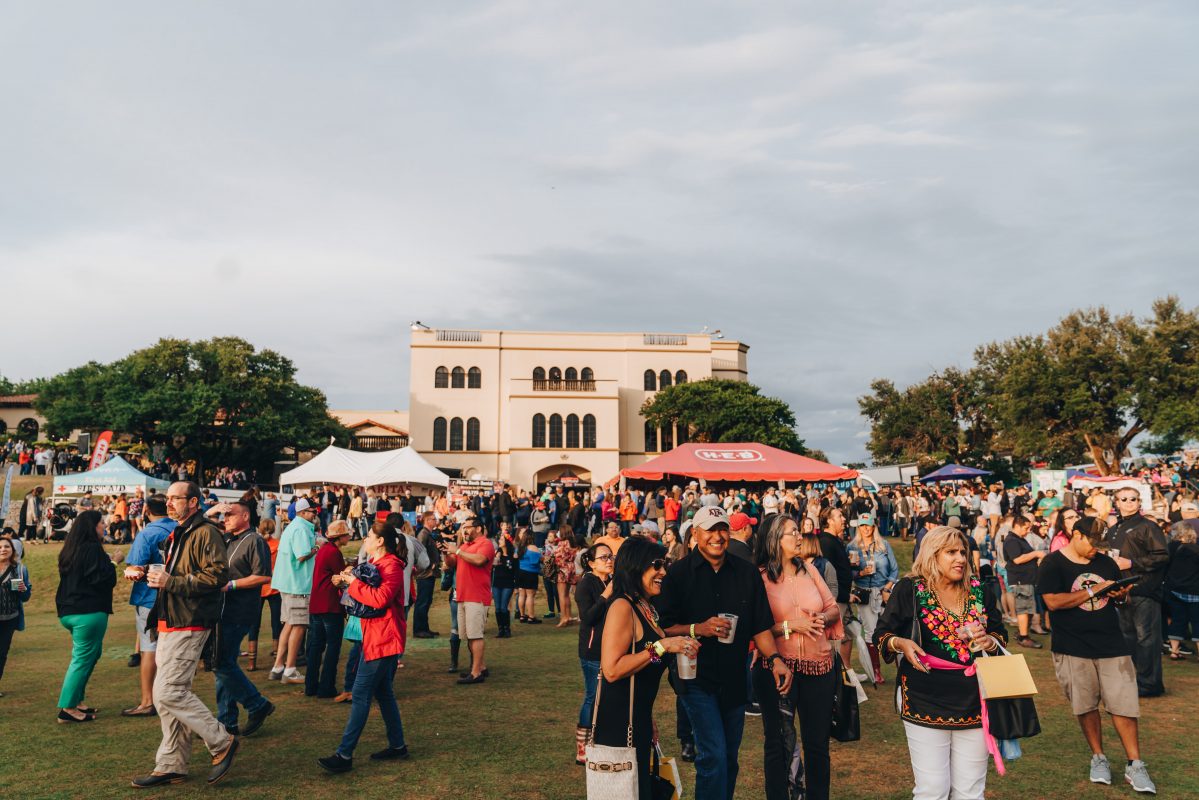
[806,620]
[938,611]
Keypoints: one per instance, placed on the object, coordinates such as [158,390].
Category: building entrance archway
[568,476]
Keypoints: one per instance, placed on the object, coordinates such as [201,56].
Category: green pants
[87,642]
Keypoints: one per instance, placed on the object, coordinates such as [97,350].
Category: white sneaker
[1137,774]
[275,675]
[1101,771]
[294,677]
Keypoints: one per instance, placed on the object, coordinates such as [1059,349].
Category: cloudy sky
[856,190]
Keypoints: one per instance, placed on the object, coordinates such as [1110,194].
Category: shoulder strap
[916,636]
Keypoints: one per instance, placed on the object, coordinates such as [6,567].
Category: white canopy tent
[366,469]
[114,476]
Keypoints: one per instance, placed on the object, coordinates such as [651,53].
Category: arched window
[474,378]
[555,375]
[3,427]
[458,378]
[589,432]
[441,378]
[572,432]
[651,380]
[667,438]
[680,377]
[539,430]
[586,374]
[681,435]
[439,428]
[538,373]
[28,428]
[572,374]
[651,438]
[456,433]
[664,379]
[472,434]
[555,430]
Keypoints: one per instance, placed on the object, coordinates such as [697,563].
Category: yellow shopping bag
[1004,677]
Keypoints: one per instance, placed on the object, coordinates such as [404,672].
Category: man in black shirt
[1091,658]
[249,568]
[1139,548]
[832,547]
[1022,560]
[697,590]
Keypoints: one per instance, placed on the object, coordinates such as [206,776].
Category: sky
[856,190]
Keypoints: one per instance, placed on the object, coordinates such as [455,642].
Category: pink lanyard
[968,669]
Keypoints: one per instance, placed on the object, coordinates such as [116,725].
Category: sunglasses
[1128,499]
[658,563]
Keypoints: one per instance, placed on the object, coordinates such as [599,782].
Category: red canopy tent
[737,462]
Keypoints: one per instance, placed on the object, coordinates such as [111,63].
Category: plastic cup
[156,568]
[732,620]
[16,584]
[688,666]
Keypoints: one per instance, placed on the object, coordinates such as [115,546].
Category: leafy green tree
[1164,445]
[719,410]
[218,401]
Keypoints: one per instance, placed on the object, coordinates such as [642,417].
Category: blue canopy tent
[114,476]
[953,472]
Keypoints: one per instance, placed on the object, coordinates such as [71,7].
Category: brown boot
[876,663]
[581,745]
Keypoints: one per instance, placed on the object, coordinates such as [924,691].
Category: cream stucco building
[528,406]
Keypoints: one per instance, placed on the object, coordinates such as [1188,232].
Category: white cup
[732,620]
[156,568]
[688,666]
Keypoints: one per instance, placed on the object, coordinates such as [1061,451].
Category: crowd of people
[750,602]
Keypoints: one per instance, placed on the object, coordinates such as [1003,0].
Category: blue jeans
[373,680]
[717,740]
[591,671]
[352,662]
[232,685]
[424,601]
[501,598]
[324,639]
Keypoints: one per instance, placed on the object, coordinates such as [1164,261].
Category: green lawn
[511,737]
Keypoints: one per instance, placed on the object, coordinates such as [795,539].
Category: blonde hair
[926,567]
[266,527]
[1182,533]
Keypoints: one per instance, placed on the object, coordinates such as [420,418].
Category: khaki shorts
[145,643]
[471,618]
[293,609]
[1087,681]
[1025,598]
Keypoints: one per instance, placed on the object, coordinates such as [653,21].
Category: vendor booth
[114,476]
[735,463]
[390,470]
[1112,483]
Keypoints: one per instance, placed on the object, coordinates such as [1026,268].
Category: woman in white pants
[937,620]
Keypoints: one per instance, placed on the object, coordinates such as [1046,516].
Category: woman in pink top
[1063,528]
[806,620]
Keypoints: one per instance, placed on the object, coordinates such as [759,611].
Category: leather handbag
[612,771]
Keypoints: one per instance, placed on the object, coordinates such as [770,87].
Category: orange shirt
[613,542]
[273,544]
[628,510]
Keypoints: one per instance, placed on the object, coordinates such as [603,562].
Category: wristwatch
[768,661]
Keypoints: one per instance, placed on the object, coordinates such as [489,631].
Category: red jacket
[385,635]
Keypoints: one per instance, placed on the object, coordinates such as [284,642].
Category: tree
[719,410]
[218,401]
[1164,445]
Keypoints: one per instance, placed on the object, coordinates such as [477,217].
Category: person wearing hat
[696,592]
[740,532]
[1091,658]
[293,578]
[249,570]
[325,617]
[875,571]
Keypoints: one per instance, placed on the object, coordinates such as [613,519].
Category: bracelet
[692,630]
[787,629]
[651,649]
[891,643]
[232,586]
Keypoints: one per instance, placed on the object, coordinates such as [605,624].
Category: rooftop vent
[672,339]
[459,336]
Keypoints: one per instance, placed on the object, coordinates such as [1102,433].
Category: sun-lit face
[602,565]
[712,544]
[651,579]
[6,550]
[789,541]
[951,561]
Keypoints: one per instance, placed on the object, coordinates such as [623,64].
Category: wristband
[787,629]
[692,630]
[232,586]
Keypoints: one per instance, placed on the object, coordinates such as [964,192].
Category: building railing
[671,339]
[550,385]
[459,336]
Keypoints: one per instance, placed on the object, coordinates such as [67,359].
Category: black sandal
[88,710]
[64,717]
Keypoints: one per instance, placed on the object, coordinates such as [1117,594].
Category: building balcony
[550,385]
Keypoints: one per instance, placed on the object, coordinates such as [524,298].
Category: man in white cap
[293,579]
[1190,514]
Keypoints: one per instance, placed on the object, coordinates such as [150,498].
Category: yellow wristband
[692,630]
[787,629]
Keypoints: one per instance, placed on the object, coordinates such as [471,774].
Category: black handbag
[1013,718]
[847,722]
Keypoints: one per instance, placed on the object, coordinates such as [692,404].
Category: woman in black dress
[592,594]
[632,652]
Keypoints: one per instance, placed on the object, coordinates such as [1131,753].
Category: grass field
[511,737]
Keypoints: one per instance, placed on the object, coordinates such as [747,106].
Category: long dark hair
[632,560]
[80,541]
[393,542]
[769,553]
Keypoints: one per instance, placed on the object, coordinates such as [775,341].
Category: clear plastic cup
[728,637]
[156,568]
[688,666]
